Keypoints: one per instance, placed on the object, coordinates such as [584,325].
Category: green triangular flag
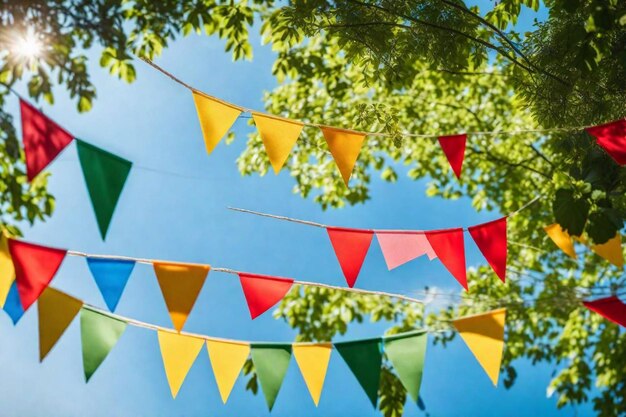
[271,362]
[98,334]
[406,352]
[364,359]
[105,175]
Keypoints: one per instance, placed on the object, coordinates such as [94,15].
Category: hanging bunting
[611,250]
[7,272]
[611,308]
[612,138]
[271,362]
[345,146]
[351,246]
[227,360]
[313,361]
[454,148]
[449,246]
[13,305]
[279,135]
[491,240]
[401,247]
[105,175]
[56,311]
[111,276]
[262,292]
[35,266]
[484,336]
[99,333]
[43,139]
[216,118]
[561,238]
[406,353]
[180,285]
[364,358]
[179,352]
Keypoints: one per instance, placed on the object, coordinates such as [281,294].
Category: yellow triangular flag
[278,135]
[313,363]
[611,251]
[227,359]
[180,285]
[179,352]
[7,272]
[561,238]
[484,335]
[55,310]
[345,146]
[216,117]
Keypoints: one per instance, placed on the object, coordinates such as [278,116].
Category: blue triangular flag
[111,276]
[13,305]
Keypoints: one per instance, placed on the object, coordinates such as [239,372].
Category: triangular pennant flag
[454,148]
[271,362]
[611,308]
[561,238]
[484,335]
[55,310]
[491,240]
[179,352]
[43,139]
[105,175]
[278,135]
[449,247]
[13,305]
[111,276]
[313,361]
[262,292]
[406,353]
[180,285]
[7,272]
[98,334]
[364,358]
[216,117]
[611,251]
[35,266]
[351,246]
[401,247]
[345,146]
[227,360]
[612,137]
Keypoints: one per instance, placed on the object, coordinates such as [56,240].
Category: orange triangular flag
[313,361]
[216,117]
[278,135]
[56,310]
[561,238]
[345,146]
[7,272]
[227,359]
[179,352]
[484,335]
[180,285]
[611,251]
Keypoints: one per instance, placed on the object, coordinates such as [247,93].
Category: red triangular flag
[448,245]
[610,308]
[351,246]
[262,292]
[612,137]
[491,240]
[43,139]
[35,267]
[454,148]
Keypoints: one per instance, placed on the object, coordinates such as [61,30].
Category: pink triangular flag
[612,138]
[351,246]
[401,247]
[454,148]
[491,240]
[449,247]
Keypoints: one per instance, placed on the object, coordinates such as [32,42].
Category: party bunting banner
[180,284]
[484,336]
[227,360]
[313,362]
[216,118]
[105,175]
[610,250]
[364,358]
[406,353]
[454,149]
[262,292]
[279,136]
[345,146]
[99,333]
[612,138]
[179,352]
[13,305]
[401,247]
[351,246]
[450,249]
[271,362]
[611,308]
[561,238]
[491,240]
[7,272]
[56,311]
[111,276]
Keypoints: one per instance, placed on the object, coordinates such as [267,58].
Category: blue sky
[183,217]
